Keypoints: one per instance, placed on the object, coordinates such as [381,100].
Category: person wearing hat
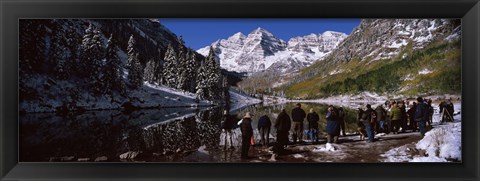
[298,115]
[247,133]
[421,115]
[313,118]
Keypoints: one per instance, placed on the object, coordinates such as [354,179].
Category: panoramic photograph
[195,90]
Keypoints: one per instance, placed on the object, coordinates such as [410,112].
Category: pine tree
[131,50]
[92,53]
[135,72]
[113,68]
[58,54]
[201,88]
[72,41]
[213,76]
[209,79]
[181,74]
[31,46]
[169,72]
[149,72]
[159,69]
[190,72]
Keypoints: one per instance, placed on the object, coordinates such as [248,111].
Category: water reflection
[86,137]
[165,135]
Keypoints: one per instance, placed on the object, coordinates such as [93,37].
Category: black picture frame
[11,11]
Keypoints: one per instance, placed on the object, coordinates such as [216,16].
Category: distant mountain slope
[402,56]
[262,51]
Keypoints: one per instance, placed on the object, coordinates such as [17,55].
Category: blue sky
[199,33]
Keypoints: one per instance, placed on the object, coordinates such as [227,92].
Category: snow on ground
[351,101]
[424,71]
[239,100]
[441,144]
[325,148]
[400,154]
[398,45]
[60,92]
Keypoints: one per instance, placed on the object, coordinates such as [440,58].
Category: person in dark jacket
[450,109]
[360,126]
[313,118]
[381,118]
[247,133]
[411,116]
[298,115]
[333,127]
[442,107]
[421,115]
[341,120]
[227,126]
[263,126]
[282,125]
[368,118]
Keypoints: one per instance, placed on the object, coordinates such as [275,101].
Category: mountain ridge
[261,51]
[386,56]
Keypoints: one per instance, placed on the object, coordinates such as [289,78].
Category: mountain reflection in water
[154,135]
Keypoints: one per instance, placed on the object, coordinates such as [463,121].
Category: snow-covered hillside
[441,144]
[261,50]
[239,100]
[377,39]
[42,90]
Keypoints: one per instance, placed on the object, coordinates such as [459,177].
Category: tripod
[446,113]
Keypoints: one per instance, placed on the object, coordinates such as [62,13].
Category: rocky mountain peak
[260,49]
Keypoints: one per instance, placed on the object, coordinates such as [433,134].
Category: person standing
[381,116]
[450,109]
[411,116]
[247,133]
[442,106]
[298,115]
[227,126]
[403,113]
[282,125]
[430,112]
[263,126]
[368,118]
[395,118]
[341,120]
[333,127]
[361,127]
[421,115]
[313,118]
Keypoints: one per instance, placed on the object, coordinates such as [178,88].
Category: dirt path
[349,149]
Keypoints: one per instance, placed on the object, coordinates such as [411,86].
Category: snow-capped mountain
[385,56]
[261,50]
[376,39]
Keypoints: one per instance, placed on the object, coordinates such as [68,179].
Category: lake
[152,135]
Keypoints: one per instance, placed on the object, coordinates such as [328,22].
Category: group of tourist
[394,118]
